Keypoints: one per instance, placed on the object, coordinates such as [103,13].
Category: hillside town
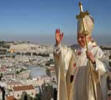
[27,71]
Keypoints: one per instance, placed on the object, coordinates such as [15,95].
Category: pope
[72,69]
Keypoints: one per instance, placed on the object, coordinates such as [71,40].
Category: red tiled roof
[10,98]
[26,87]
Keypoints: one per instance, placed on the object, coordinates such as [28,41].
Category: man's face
[81,40]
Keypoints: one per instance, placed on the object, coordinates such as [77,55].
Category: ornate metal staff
[85,32]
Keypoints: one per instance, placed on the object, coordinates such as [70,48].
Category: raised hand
[90,56]
[58,36]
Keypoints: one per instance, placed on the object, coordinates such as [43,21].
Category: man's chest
[82,58]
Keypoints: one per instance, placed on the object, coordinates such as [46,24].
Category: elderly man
[80,72]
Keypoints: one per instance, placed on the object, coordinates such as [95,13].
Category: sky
[37,20]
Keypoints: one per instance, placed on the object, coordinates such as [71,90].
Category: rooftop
[20,88]
[10,98]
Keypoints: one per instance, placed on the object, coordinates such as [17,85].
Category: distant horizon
[67,40]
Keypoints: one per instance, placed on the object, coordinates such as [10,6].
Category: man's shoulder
[94,45]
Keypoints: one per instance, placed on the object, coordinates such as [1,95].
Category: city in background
[27,71]
[27,31]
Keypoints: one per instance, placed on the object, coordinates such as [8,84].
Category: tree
[48,72]
[47,92]
[25,96]
[1,75]
[37,97]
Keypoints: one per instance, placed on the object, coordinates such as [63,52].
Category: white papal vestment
[70,62]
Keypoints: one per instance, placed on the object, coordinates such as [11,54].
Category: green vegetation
[43,54]
[21,70]
[1,75]
[49,62]
[48,72]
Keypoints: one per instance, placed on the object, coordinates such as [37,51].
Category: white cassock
[65,61]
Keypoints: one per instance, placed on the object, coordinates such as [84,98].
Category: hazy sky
[37,20]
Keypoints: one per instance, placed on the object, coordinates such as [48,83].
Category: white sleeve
[101,63]
[57,49]
[64,54]
[100,67]
[64,51]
